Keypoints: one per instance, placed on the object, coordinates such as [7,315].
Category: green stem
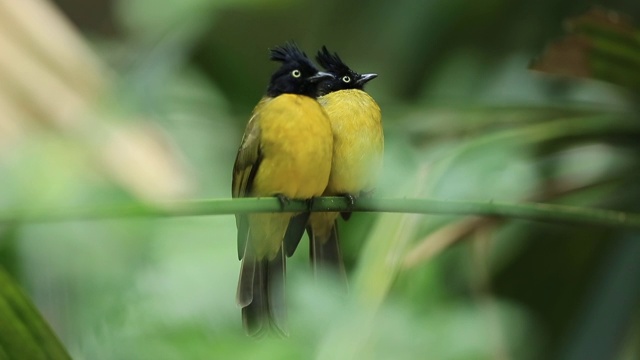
[530,211]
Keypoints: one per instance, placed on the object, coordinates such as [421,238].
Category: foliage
[152,111]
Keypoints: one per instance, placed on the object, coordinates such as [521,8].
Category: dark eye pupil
[346,79]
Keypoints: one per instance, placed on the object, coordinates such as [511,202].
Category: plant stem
[528,211]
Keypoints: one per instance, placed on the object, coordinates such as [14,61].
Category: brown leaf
[568,56]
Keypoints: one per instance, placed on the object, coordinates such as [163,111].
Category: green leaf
[24,334]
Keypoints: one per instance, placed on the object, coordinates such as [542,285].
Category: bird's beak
[319,76]
[365,78]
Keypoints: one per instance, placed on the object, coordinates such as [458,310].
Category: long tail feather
[276,272]
[253,310]
[294,233]
[246,283]
[325,252]
[261,294]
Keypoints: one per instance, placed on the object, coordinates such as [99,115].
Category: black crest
[289,52]
[332,62]
[344,77]
[296,75]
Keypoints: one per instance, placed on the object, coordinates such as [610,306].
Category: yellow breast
[356,122]
[296,147]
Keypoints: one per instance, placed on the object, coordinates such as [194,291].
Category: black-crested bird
[285,152]
[358,145]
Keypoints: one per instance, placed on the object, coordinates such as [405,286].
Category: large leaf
[24,334]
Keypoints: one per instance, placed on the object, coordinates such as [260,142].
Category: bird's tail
[261,294]
[324,251]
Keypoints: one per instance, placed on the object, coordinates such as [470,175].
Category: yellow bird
[285,152]
[358,145]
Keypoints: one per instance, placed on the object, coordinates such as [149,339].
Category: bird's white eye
[346,79]
[296,73]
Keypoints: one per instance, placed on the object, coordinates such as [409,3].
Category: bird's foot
[310,203]
[351,200]
[283,200]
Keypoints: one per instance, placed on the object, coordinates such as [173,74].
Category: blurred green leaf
[24,334]
[459,107]
[152,18]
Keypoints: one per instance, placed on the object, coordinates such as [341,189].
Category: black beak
[319,76]
[365,78]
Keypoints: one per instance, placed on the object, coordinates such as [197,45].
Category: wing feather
[244,172]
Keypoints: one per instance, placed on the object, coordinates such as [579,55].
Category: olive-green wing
[244,171]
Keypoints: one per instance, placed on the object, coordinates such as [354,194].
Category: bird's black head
[345,78]
[296,75]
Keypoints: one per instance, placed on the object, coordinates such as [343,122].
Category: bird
[286,153]
[358,146]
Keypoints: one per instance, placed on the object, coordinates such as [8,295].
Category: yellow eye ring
[296,73]
[346,79]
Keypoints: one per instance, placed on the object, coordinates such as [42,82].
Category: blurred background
[112,101]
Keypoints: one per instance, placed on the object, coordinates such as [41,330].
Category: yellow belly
[296,144]
[358,141]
